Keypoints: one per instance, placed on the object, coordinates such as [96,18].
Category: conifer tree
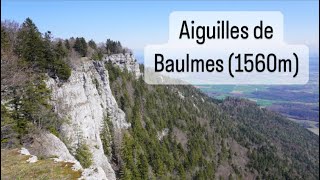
[92,44]
[29,43]
[81,46]
[4,39]
[60,50]
[143,166]
[67,44]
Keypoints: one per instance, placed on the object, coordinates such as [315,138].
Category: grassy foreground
[15,166]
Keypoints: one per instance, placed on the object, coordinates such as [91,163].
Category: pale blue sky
[139,23]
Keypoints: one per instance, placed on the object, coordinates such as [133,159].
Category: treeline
[24,49]
[115,47]
[37,50]
[50,55]
[95,51]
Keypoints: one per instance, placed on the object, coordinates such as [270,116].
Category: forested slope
[178,132]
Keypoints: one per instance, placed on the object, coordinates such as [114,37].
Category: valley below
[300,103]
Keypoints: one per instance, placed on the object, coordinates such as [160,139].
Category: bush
[62,70]
[84,156]
[106,135]
[81,46]
[97,56]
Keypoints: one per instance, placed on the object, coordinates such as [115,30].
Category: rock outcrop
[84,101]
[45,144]
[124,61]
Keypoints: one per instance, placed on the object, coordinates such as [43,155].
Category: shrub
[84,156]
[62,70]
[106,135]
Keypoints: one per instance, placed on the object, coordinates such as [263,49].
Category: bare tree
[11,28]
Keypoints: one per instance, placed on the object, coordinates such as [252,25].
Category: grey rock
[124,61]
[32,159]
[84,101]
[45,144]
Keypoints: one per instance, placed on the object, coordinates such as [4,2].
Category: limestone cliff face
[84,101]
[124,61]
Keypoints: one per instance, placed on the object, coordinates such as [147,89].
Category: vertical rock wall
[84,101]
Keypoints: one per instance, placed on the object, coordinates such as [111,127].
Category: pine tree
[81,46]
[61,69]
[67,44]
[143,166]
[92,44]
[113,47]
[48,52]
[53,58]
[84,155]
[182,173]
[126,174]
[4,39]
[106,135]
[60,50]
[29,43]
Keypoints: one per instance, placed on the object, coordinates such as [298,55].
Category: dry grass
[14,166]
